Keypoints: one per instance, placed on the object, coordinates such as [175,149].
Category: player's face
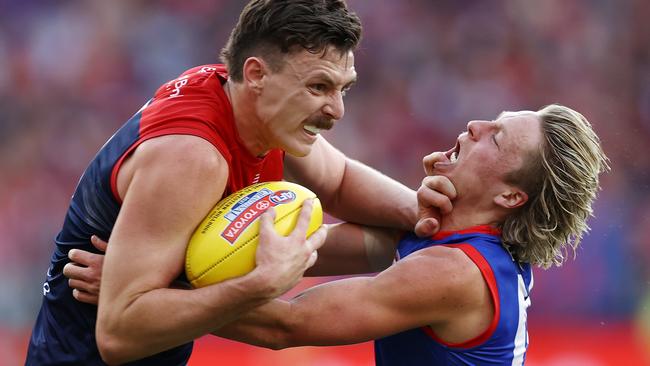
[304,98]
[487,152]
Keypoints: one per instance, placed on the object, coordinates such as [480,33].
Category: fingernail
[71,252]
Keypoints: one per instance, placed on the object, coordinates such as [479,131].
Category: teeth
[453,157]
[313,129]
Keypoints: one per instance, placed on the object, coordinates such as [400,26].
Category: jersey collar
[480,229]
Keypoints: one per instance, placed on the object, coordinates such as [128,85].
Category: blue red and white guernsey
[192,104]
[504,342]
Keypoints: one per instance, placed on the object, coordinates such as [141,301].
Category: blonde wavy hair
[561,180]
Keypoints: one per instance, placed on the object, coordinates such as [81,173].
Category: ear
[511,198]
[254,71]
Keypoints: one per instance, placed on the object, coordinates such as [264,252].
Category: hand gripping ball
[224,244]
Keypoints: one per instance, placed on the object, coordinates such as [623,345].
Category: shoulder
[176,171]
[450,271]
[444,260]
[189,150]
[180,156]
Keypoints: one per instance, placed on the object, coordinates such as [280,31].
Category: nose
[476,128]
[335,108]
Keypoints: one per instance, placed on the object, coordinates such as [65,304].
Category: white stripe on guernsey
[144,106]
[521,338]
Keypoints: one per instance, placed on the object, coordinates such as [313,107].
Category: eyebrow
[501,129]
[351,83]
[326,78]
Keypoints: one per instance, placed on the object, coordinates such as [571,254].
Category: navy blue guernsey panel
[64,333]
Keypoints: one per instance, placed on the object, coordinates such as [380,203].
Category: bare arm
[441,288]
[355,249]
[352,191]
[173,182]
[349,249]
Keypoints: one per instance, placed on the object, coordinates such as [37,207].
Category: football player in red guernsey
[211,131]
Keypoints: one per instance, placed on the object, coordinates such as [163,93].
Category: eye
[318,87]
[494,139]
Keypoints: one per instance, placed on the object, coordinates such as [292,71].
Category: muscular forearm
[355,249]
[265,326]
[368,197]
[353,191]
[164,318]
[320,316]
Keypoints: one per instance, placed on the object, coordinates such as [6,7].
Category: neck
[249,126]
[463,217]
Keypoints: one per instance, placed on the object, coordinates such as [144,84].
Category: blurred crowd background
[71,72]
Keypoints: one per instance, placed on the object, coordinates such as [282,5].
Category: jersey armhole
[174,131]
[490,280]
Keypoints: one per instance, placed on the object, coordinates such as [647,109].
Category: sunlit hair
[271,29]
[561,180]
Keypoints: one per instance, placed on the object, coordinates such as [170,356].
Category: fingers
[317,238]
[303,220]
[83,289]
[75,271]
[84,274]
[314,242]
[312,259]
[85,297]
[432,199]
[440,184]
[83,286]
[436,191]
[267,221]
[430,160]
[98,243]
[84,258]
[427,227]
[435,197]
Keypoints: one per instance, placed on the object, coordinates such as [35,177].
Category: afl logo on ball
[281,197]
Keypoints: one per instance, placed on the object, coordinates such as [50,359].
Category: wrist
[261,285]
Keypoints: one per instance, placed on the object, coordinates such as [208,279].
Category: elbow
[112,349]
[109,350]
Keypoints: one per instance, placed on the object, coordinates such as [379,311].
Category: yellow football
[224,244]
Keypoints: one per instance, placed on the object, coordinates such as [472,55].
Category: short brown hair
[561,180]
[271,28]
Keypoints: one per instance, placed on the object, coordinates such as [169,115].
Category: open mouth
[453,154]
